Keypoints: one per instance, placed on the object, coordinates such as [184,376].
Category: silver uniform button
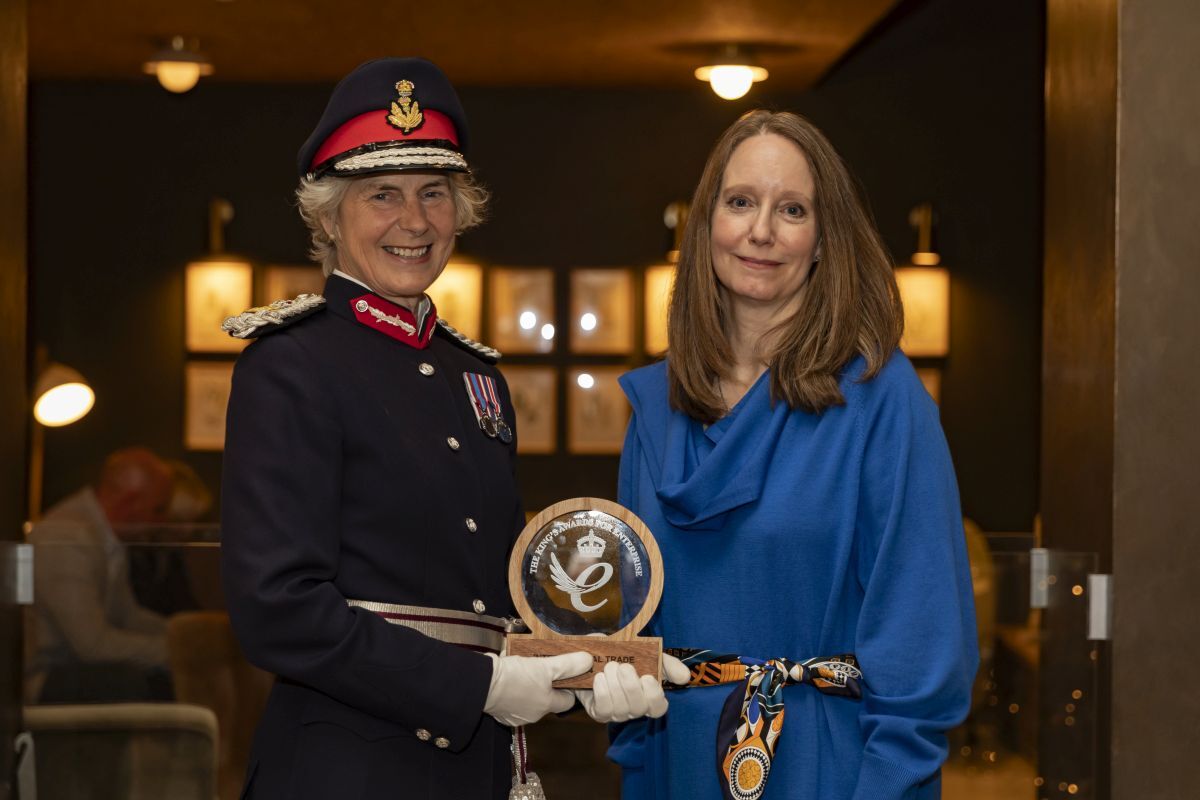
[361,306]
[450,440]
[479,607]
[423,734]
[442,742]
[471,526]
[425,368]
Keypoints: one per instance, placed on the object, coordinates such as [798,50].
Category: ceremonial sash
[752,718]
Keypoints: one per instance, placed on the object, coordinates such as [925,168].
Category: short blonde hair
[319,199]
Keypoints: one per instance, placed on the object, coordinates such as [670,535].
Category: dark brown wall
[14,409]
[942,104]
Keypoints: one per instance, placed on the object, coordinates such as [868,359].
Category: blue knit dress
[789,534]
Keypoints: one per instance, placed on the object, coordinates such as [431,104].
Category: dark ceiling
[618,43]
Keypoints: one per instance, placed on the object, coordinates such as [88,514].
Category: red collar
[393,320]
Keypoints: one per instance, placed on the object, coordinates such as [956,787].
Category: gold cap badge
[406,112]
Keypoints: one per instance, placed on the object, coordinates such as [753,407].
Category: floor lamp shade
[61,396]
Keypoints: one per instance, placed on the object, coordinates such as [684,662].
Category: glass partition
[134,686]
[1031,733]
[142,621]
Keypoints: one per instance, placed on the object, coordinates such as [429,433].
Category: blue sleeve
[916,638]
[627,473]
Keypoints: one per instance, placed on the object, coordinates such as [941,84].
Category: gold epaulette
[488,354]
[254,322]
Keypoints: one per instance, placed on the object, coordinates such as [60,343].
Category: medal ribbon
[482,390]
[752,718]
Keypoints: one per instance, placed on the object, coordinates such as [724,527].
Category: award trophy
[586,574]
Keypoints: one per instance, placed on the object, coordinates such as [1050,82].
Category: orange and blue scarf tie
[752,719]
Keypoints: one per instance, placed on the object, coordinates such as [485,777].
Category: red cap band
[374,127]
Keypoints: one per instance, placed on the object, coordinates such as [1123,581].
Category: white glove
[619,695]
[520,693]
[675,671]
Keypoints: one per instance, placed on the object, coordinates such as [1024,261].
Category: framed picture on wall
[214,290]
[522,310]
[660,280]
[458,295]
[534,393]
[601,318]
[283,282]
[205,397]
[597,411]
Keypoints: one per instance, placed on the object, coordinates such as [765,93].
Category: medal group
[486,403]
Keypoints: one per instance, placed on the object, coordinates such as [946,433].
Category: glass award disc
[586,566]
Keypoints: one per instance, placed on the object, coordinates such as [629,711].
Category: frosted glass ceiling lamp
[731,73]
[178,68]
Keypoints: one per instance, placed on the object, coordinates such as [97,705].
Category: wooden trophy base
[644,652]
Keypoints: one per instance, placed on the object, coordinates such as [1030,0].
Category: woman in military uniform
[369,498]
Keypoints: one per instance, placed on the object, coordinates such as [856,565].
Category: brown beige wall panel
[1077,364]
[1156,506]
[1078,352]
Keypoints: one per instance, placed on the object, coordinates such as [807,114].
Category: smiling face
[395,232]
[764,233]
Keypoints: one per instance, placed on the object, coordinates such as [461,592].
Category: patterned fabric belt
[752,718]
[477,632]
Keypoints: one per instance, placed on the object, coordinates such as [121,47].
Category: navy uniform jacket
[340,482]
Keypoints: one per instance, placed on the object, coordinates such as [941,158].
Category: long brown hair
[850,303]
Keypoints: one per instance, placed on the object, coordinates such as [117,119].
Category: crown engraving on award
[591,546]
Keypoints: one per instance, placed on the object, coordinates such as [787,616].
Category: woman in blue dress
[794,472]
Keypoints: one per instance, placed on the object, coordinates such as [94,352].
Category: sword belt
[477,632]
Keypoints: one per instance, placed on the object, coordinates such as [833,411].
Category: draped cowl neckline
[701,474]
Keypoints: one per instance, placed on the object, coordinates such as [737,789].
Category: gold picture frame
[597,411]
[214,290]
[458,296]
[601,317]
[206,397]
[534,392]
[521,306]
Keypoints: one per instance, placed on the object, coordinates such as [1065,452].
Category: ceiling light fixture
[731,73]
[177,67]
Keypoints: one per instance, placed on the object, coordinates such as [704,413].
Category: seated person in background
[93,642]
